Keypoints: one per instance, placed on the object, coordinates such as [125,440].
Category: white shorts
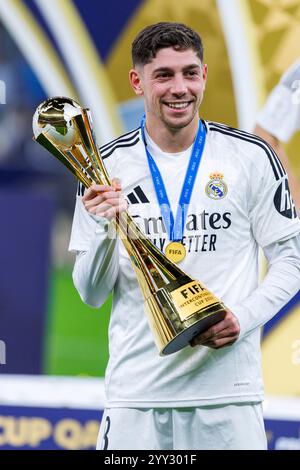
[231,427]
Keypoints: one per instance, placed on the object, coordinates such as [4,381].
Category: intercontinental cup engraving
[178,307]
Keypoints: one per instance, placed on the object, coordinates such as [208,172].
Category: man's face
[172,85]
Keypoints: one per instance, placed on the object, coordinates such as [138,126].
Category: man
[279,119]
[202,396]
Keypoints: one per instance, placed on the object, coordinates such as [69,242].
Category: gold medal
[175,252]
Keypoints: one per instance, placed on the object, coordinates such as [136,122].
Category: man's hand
[105,201]
[224,333]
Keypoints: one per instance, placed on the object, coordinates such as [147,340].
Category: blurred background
[53,348]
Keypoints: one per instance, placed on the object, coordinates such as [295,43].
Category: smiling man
[228,194]
[173,94]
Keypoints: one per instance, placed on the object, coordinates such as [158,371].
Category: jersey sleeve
[279,286]
[86,225]
[273,215]
[280,115]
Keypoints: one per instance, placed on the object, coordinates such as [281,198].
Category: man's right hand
[105,201]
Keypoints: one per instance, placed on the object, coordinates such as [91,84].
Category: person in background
[279,120]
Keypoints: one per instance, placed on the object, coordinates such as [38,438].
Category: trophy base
[184,338]
[180,311]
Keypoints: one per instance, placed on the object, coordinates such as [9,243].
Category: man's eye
[191,73]
[163,75]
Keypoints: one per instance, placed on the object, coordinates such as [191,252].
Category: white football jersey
[240,200]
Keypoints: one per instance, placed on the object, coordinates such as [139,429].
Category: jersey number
[105,436]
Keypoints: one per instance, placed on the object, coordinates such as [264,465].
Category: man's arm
[281,283]
[96,269]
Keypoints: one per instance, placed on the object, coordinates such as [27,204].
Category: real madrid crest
[216,188]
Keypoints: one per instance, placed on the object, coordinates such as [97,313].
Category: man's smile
[177,104]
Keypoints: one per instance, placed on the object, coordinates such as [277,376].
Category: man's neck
[172,140]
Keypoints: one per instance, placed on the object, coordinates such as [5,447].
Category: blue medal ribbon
[175,227]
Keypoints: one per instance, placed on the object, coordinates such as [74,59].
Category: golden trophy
[178,307]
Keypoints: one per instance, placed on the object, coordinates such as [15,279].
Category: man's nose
[178,85]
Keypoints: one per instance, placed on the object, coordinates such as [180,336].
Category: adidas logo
[137,196]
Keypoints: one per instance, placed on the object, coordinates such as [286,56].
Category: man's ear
[135,82]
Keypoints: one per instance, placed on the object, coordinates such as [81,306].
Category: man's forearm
[96,270]
[281,283]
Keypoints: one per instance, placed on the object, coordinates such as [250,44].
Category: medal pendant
[175,252]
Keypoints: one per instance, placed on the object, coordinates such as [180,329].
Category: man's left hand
[223,333]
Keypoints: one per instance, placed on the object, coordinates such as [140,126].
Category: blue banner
[31,428]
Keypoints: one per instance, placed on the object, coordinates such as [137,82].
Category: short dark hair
[161,35]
